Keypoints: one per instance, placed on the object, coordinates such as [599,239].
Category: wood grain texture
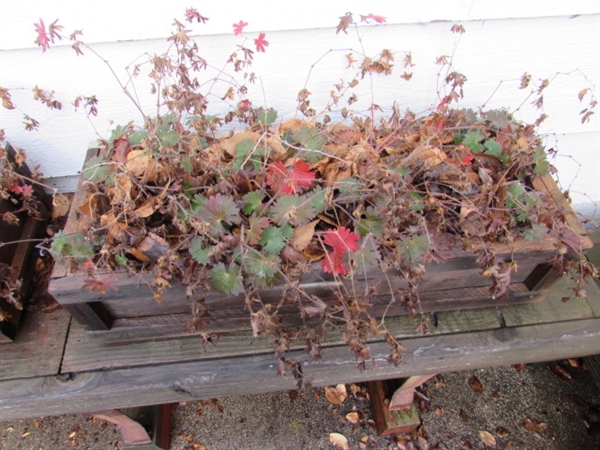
[37,348]
[253,374]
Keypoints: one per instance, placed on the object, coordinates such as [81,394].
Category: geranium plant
[184,197]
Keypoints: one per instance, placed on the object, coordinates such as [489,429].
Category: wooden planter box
[132,313]
[19,255]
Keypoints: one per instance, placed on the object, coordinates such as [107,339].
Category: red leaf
[121,149]
[26,191]
[192,13]
[341,240]
[238,28]
[43,40]
[261,43]
[345,22]
[291,180]
[378,19]
[334,263]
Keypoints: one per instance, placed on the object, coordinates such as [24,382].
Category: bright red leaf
[261,43]
[43,40]
[341,240]
[238,28]
[333,263]
[290,181]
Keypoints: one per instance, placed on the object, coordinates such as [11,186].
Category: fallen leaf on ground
[463,416]
[501,431]
[352,417]
[520,367]
[339,440]
[533,425]
[487,438]
[337,394]
[561,372]
[509,446]
[476,384]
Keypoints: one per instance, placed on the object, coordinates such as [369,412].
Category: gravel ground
[531,407]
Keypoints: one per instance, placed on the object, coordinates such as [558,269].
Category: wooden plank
[169,383]
[37,348]
[553,310]
[85,353]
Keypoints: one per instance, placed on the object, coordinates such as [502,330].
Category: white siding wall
[503,40]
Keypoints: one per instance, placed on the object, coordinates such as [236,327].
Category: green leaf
[373,223]
[412,249]
[117,133]
[293,209]
[366,257]
[318,199]
[350,186]
[74,246]
[472,140]
[493,148]
[273,238]
[186,162]
[535,233]
[253,202]
[542,166]
[262,266]
[498,118]
[200,254]
[94,171]
[241,152]
[227,281]
[121,260]
[267,117]
[416,205]
[312,141]
[137,137]
[217,210]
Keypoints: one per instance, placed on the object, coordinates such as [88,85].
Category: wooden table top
[55,367]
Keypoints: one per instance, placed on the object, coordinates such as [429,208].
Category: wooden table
[54,367]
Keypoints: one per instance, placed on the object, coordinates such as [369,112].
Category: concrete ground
[550,406]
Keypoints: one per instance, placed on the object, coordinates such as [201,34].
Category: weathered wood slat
[554,310]
[85,353]
[256,373]
[37,348]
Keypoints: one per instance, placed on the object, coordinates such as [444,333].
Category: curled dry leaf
[487,438]
[561,372]
[303,235]
[60,206]
[475,384]
[339,440]
[533,425]
[336,395]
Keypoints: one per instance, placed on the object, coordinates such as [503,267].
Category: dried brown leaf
[561,372]
[533,425]
[336,394]
[463,416]
[60,205]
[501,431]
[487,438]
[339,440]
[475,384]
[303,235]
[352,417]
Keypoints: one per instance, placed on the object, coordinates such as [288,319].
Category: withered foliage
[293,218]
